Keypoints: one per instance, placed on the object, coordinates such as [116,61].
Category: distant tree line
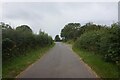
[17,41]
[57,38]
[101,39]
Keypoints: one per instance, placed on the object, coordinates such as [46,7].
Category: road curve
[59,62]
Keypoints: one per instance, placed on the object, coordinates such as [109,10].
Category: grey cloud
[51,17]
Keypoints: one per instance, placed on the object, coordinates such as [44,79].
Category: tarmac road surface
[59,62]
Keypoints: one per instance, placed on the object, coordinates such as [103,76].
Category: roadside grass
[102,68]
[12,68]
[70,42]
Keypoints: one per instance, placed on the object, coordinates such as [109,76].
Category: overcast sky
[52,16]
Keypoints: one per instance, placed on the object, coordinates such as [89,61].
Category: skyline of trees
[16,42]
[98,38]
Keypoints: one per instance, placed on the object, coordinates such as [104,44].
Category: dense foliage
[75,30]
[17,41]
[70,31]
[57,38]
[104,40]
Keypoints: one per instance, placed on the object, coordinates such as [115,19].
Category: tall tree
[70,31]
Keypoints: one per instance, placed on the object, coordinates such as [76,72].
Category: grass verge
[69,42]
[102,68]
[15,66]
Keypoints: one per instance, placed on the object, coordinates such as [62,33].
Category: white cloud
[51,16]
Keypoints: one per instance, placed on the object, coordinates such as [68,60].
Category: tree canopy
[57,38]
[70,31]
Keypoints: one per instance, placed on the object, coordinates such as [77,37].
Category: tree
[57,38]
[24,28]
[70,31]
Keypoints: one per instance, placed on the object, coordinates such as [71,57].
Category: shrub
[17,41]
[7,46]
[105,41]
[89,41]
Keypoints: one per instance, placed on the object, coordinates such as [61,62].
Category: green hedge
[17,41]
[105,42]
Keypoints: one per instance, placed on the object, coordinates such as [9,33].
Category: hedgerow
[17,41]
[105,41]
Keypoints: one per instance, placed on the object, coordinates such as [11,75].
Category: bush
[7,46]
[89,41]
[17,41]
[105,41]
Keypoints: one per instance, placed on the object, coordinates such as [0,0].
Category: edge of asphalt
[29,66]
[69,45]
[86,65]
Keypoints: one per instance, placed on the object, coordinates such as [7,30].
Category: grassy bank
[12,68]
[70,42]
[102,68]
